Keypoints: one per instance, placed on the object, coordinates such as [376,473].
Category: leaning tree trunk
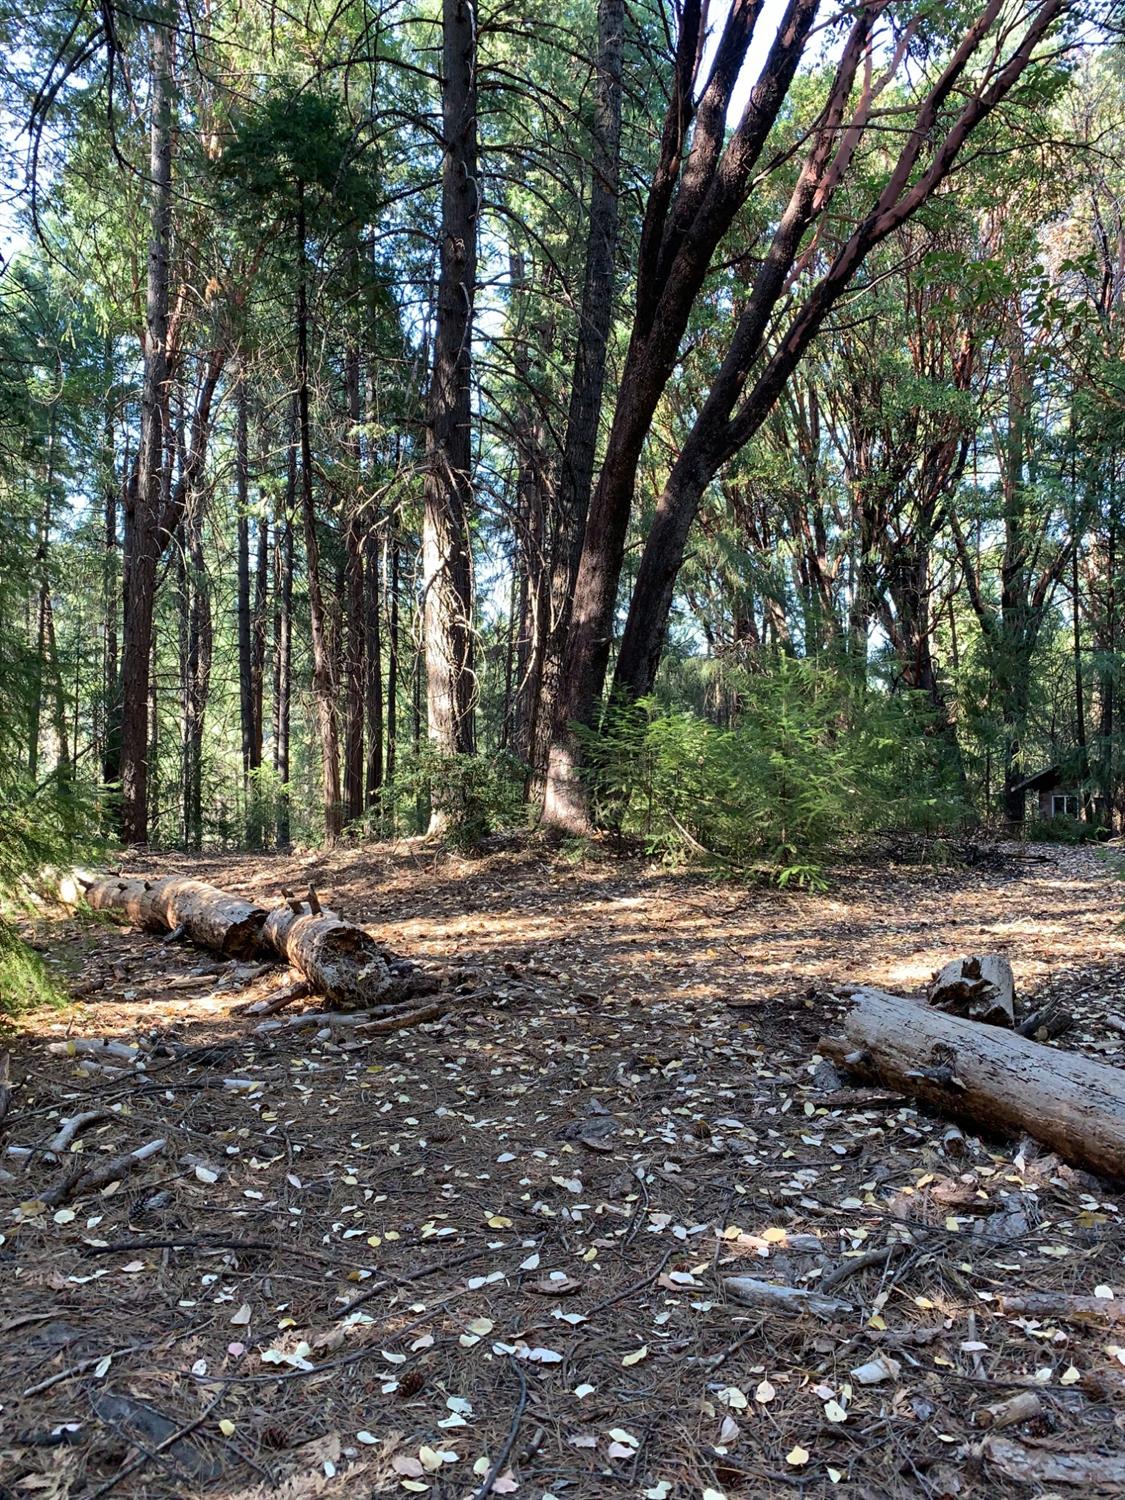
[576,470]
[996,1079]
[448,490]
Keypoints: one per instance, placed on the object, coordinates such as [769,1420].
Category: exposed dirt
[499,1240]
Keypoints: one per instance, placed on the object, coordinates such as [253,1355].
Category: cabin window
[1064,805]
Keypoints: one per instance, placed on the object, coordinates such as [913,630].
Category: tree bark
[355,652]
[448,491]
[980,988]
[576,470]
[373,660]
[283,638]
[693,200]
[245,649]
[140,574]
[993,1078]
[111,720]
[392,667]
[324,680]
[338,959]
[208,916]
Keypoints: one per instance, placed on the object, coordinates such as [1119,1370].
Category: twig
[173,1437]
[883,1255]
[83,1365]
[509,1442]
[462,1258]
[74,1184]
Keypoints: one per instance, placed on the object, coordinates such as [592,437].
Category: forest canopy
[702,424]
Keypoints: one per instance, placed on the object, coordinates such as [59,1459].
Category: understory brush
[806,764]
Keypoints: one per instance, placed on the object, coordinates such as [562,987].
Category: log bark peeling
[993,1078]
[207,915]
[340,961]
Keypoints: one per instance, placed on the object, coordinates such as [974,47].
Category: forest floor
[486,1255]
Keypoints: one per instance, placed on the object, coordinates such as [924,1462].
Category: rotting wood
[210,917]
[207,915]
[1021,1408]
[1038,1466]
[980,988]
[991,1077]
[788,1300]
[339,960]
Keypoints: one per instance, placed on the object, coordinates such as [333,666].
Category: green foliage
[25,981]
[477,794]
[1063,829]
[807,765]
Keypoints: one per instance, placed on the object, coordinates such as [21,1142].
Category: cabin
[1059,795]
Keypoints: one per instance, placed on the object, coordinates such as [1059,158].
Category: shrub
[808,764]
[479,794]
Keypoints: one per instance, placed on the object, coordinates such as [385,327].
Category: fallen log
[127,899]
[981,988]
[210,917]
[339,960]
[993,1078]
[205,914]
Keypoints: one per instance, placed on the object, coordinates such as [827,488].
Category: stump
[982,988]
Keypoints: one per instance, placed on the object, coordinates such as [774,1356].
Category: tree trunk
[709,185]
[283,638]
[140,579]
[355,653]
[245,649]
[979,988]
[341,961]
[111,722]
[576,469]
[324,682]
[197,668]
[392,668]
[995,1079]
[258,832]
[448,490]
[208,916]
[373,689]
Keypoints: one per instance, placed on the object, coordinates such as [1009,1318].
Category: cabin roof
[1040,781]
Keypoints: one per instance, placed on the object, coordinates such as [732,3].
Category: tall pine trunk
[143,551]
[355,653]
[447,582]
[245,629]
[283,640]
[324,677]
